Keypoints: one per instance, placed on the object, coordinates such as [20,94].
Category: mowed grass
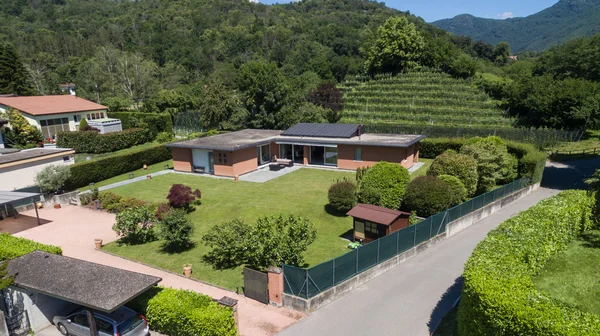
[572,277]
[136,173]
[303,193]
[423,170]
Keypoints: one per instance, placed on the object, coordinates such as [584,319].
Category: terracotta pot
[187,271]
[98,243]
[57,206]
[145,166]
[149,177]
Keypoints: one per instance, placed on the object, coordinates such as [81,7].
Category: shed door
[359,230]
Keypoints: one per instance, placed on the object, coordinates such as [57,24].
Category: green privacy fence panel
[307,283]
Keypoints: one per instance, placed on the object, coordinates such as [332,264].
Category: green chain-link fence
[306,283]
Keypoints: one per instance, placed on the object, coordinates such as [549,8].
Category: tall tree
[501,53]
[222,109]
[397,47]
[13,74]
[329,97]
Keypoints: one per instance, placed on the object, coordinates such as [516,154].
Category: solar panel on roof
[323,130]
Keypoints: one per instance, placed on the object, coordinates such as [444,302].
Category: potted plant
[98,243]
[57,206]
[187,270]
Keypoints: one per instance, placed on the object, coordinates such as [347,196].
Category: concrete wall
[182,159]
[40,308]
[351,284]
[374,154]
[23,175]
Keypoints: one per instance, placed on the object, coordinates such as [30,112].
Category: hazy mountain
[566,20]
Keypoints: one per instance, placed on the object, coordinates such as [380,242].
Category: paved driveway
[411,298]
[74,230]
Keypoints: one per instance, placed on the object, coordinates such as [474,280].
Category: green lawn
[572,276]
[81,157]
[423,170]
[136,173]
[303,192]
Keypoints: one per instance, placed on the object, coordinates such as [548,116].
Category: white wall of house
[1,139]
[40,308]
[200,158]
[23,175]
[73,125]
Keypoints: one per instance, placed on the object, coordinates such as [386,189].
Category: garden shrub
[427,195]
[13,247]
[494,164]
[369,195]
[154,122]
[86,199]
[181,196]
[430,148]
[183,312]
[499,297]
[164,137]
[96,143]
[84,173]
[112,202]
[53,178]
[270,241]
[83,124]
[161,210]
[390,180]
[459,191]
[342,195]
[135,225]
[176,229]
[463,166]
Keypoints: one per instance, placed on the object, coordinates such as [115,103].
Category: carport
[48,283]
[16,199]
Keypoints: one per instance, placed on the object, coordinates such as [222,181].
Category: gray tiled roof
[230,141]
[30,154]
[81,282]
[322,130]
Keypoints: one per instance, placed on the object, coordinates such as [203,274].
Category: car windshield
[130,324]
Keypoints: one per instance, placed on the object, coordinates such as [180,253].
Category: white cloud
[505,15]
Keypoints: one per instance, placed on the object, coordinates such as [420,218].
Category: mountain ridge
[565,20]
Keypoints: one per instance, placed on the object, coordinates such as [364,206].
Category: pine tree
[13,75]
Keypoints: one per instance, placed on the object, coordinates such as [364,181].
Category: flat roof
[56,104]
[322,130]
[33,153]
[91,285]
[230,141]
[376,214]
[252,138]
[17,198]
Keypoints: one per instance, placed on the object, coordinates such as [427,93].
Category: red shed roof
[376,214]
[41,105]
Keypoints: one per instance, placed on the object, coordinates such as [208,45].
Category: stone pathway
[263,174]
[74,230]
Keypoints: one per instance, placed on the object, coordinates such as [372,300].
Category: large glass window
[286,152]
[51,127]
[264,154]
[331,156]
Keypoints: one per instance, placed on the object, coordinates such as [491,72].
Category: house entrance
[325,156]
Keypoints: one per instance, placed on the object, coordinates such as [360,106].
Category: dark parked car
[121,322]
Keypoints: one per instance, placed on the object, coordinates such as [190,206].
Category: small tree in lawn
[176,229]
[53,178]
[181,196]
[135,225]
[342,195]
[228,242]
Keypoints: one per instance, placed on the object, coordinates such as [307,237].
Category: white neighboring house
[18,168]
[53,114]
[2,123]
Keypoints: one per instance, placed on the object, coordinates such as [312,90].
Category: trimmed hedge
[463,166]
[428,195]
[154,122]
[13,247]
[388,180]
[84,173]
[96,143]
[499,297]
[531,160]
[183,312]
[342,195]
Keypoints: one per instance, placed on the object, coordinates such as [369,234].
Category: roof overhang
[16,198]
[95,286]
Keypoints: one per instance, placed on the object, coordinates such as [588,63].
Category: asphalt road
[411,298]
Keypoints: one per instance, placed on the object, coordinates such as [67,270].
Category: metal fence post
[307,283]
[415,236]
[397,242]
[333,272]
[356,260]
[377,251]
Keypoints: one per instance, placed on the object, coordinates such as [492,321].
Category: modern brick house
[344,146]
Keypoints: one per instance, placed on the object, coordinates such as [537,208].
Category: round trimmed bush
[387,179]
[427,195]
[342,195]
[458,188]
[463,166]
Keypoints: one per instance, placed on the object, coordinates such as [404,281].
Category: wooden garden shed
[372,222]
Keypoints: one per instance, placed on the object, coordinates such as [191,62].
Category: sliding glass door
[331,156]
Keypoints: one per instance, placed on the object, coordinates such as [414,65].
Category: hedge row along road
[411,298]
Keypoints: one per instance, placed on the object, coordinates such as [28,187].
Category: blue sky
[432,10]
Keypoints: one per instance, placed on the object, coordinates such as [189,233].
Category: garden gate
[256,285]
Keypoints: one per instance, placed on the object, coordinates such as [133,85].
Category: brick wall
[182,159]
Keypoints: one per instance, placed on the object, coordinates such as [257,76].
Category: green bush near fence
[96,143]
[154,122]
[13,247]
[183,312]
[531,161]
[84,173]
[306,283]
[499,297]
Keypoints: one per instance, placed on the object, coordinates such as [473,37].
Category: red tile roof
[376,214]
[41,105]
